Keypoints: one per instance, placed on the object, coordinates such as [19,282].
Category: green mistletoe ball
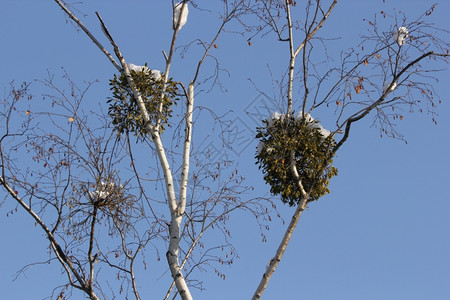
[124,110]
[311,147]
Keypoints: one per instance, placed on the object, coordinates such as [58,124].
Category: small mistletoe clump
[124,110]
[312,148]
[108,200]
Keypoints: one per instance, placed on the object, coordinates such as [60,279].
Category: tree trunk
[280,251]
[177,209]
[172,258]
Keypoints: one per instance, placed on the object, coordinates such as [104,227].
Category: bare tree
[84,181]
[87,173]
[384,73]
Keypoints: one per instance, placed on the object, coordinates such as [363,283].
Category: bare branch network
[116,192]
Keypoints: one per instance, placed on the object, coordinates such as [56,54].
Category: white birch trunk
[176,216]
[292,55]
[280,251]
[187,147]
[173,257]
[176,209]
[179,209]
[304,200]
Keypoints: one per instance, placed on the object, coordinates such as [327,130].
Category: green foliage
[312,155]
[124,110]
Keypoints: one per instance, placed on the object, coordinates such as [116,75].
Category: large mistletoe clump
[302,141]
[158,100]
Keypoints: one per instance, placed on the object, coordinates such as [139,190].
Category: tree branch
[359,115]
[89,34]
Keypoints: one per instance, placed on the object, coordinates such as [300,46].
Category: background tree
[385,74]
[236,80]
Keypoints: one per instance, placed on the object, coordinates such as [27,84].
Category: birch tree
[379,77]
[84,177]
[85,186]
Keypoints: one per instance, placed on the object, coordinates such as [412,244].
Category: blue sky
[382,233]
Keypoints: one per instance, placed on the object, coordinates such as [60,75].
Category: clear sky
[382,233]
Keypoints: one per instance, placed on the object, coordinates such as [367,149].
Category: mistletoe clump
[311,146]
[124,110]
[105,201]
